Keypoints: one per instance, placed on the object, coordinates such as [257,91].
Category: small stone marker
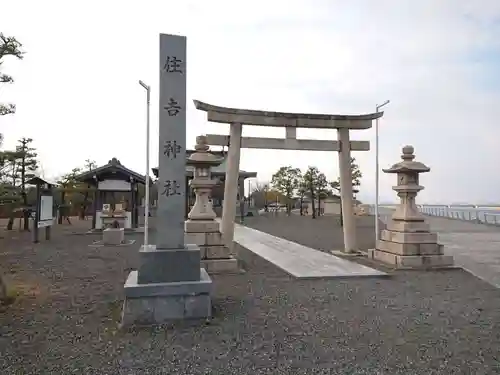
[169,284]
[407,242]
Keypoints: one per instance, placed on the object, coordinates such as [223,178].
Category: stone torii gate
[290,121]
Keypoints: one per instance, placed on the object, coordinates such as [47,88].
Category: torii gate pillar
[346,193]
[231,185]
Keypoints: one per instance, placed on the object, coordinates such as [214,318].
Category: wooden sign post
[44,209]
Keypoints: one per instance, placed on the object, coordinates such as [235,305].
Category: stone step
[410,262]
[407,226]
[405,237]
[410,248]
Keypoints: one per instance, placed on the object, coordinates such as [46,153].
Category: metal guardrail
[480,215]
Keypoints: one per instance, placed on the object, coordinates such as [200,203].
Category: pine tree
[9,46]
[286,181]
[27,165]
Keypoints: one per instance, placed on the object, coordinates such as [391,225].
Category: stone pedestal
[410,250]
[215,255]
[169,285]
[113,236]
[163,302]
[407,241]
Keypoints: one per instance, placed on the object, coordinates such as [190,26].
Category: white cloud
[78,96]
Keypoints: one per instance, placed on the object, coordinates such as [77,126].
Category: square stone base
[411,261]
[201,226]
[204,238]
[215,255]
[409,237]
[229,265]
[113,236]
[407,226]
[150,304]
[399,248]
[214,252]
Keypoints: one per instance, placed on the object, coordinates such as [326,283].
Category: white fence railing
[476,214]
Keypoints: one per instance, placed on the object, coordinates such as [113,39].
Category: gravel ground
[65,320]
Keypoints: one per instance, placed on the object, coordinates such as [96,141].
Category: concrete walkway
[476,247]
[299,261]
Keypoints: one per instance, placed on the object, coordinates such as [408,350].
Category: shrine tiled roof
[112,167]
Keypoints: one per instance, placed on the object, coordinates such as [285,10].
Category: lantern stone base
[201,226]
[410,249]
[159,303]
[408,226]
[215,255]
[411,261]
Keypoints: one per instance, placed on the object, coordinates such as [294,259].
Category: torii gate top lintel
[284,119]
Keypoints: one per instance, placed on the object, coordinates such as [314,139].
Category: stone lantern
[407,186]
[201,227]
[407,241]
[202,183]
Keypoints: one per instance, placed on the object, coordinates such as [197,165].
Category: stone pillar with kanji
[201,228]
[169,283]
[407,242]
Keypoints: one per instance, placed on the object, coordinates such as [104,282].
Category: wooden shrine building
[116,194]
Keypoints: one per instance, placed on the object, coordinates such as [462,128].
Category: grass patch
[115,310]
[10,297]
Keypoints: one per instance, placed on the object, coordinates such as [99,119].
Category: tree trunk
[313,205]
[24,195]
[10,224]
[85,205]
[3,289]
[63,198]
[26,213]
[83,209]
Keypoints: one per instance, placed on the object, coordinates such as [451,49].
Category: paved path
[299,261]
[476,247]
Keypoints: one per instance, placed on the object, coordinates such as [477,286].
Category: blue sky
[78,97]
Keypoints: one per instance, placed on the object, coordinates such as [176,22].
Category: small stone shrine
[201,228]
[407,241]
[169,284]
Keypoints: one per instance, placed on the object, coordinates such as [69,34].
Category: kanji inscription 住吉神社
[172,137]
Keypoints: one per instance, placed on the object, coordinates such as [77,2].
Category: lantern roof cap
[408,164]
[202,156]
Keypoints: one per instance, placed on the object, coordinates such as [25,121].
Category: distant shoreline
[453,206]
